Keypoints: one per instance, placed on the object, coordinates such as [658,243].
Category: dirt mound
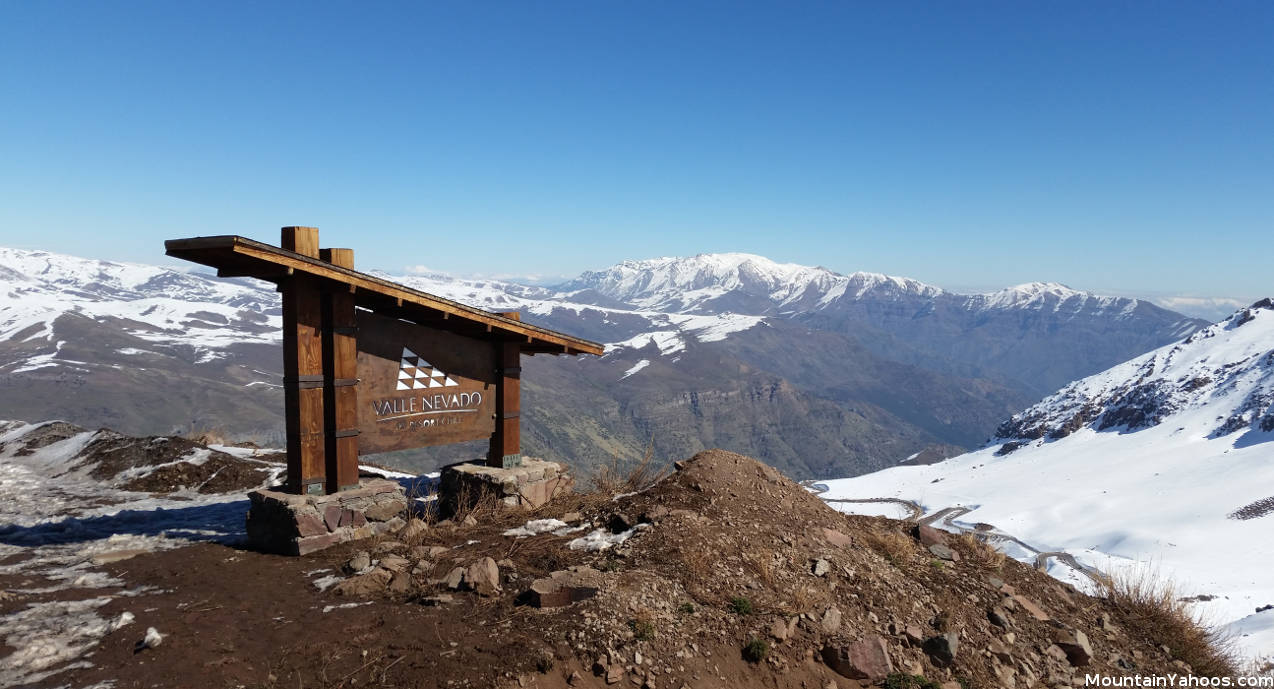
[155,464]
[724,573]
[159,464]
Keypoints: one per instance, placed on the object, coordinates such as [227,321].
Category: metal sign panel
[420,387]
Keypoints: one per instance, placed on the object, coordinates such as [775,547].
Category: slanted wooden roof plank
[263,261]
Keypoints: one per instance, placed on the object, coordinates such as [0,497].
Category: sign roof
[235,256]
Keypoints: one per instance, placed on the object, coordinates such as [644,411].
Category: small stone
[571,517]
[394,563]
[614,673]
[942,552]
[483,577]
[778,630]
[364,584]
[332,517]
[1027,604]
[998,617]
[942,649]
[454,578]
[820,567]
[836,538]
[915,635]
[1000,650]
[400,583]
[361,561]
[470,521]
[1074,644]
[574,679]
[864,659]
[927,535]
[831,620]
[995,582]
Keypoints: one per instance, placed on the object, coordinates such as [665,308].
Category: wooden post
[303,368]
[340,379]
[506,441]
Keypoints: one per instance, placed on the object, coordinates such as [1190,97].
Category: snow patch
[601,539]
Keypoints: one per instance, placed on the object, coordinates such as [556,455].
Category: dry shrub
[477,504]
[1150,602]
[806,598]
[762,562]
[980,553]
[610,479]
[894,546]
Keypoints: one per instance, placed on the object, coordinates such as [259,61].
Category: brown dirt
[724,527]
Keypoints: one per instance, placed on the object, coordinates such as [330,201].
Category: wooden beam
[506,448]
[302,384]
[340,376]
[254,273]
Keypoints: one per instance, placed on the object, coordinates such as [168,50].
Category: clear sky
[1116,146]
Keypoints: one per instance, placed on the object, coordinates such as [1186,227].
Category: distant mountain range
[818,373]
[1166,458]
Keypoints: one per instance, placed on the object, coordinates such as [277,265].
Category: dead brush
[762,562]
[1150,601]
[479,505]
[895,546]
[610,479]
[981,554]
[806,598]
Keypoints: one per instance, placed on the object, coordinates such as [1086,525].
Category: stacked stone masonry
[528,486]
[291,524]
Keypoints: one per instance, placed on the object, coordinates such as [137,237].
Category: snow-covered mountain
[871,367]
[731,281]
[1166,458]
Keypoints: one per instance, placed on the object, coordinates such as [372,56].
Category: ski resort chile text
[426,411]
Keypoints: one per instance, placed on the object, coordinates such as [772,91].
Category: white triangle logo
[414,373]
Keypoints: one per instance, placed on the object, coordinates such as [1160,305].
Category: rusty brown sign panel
[420,387]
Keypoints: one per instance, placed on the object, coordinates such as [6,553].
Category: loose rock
[942,649]
[864,659]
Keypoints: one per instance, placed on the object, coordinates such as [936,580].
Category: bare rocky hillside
[722,574]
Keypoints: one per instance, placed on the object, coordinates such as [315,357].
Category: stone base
[527,487]
[291,524]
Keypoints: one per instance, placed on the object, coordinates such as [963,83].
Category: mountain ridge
[97,340]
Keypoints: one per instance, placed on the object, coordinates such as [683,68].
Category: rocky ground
[723,573]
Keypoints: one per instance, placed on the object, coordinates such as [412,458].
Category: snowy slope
[170,307]
[149,302]
[1165,459]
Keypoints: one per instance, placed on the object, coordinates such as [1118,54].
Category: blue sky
[1115,146]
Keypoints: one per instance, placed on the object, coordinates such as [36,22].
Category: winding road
[986,532]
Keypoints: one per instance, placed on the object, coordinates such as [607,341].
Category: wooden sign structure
[371,365]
